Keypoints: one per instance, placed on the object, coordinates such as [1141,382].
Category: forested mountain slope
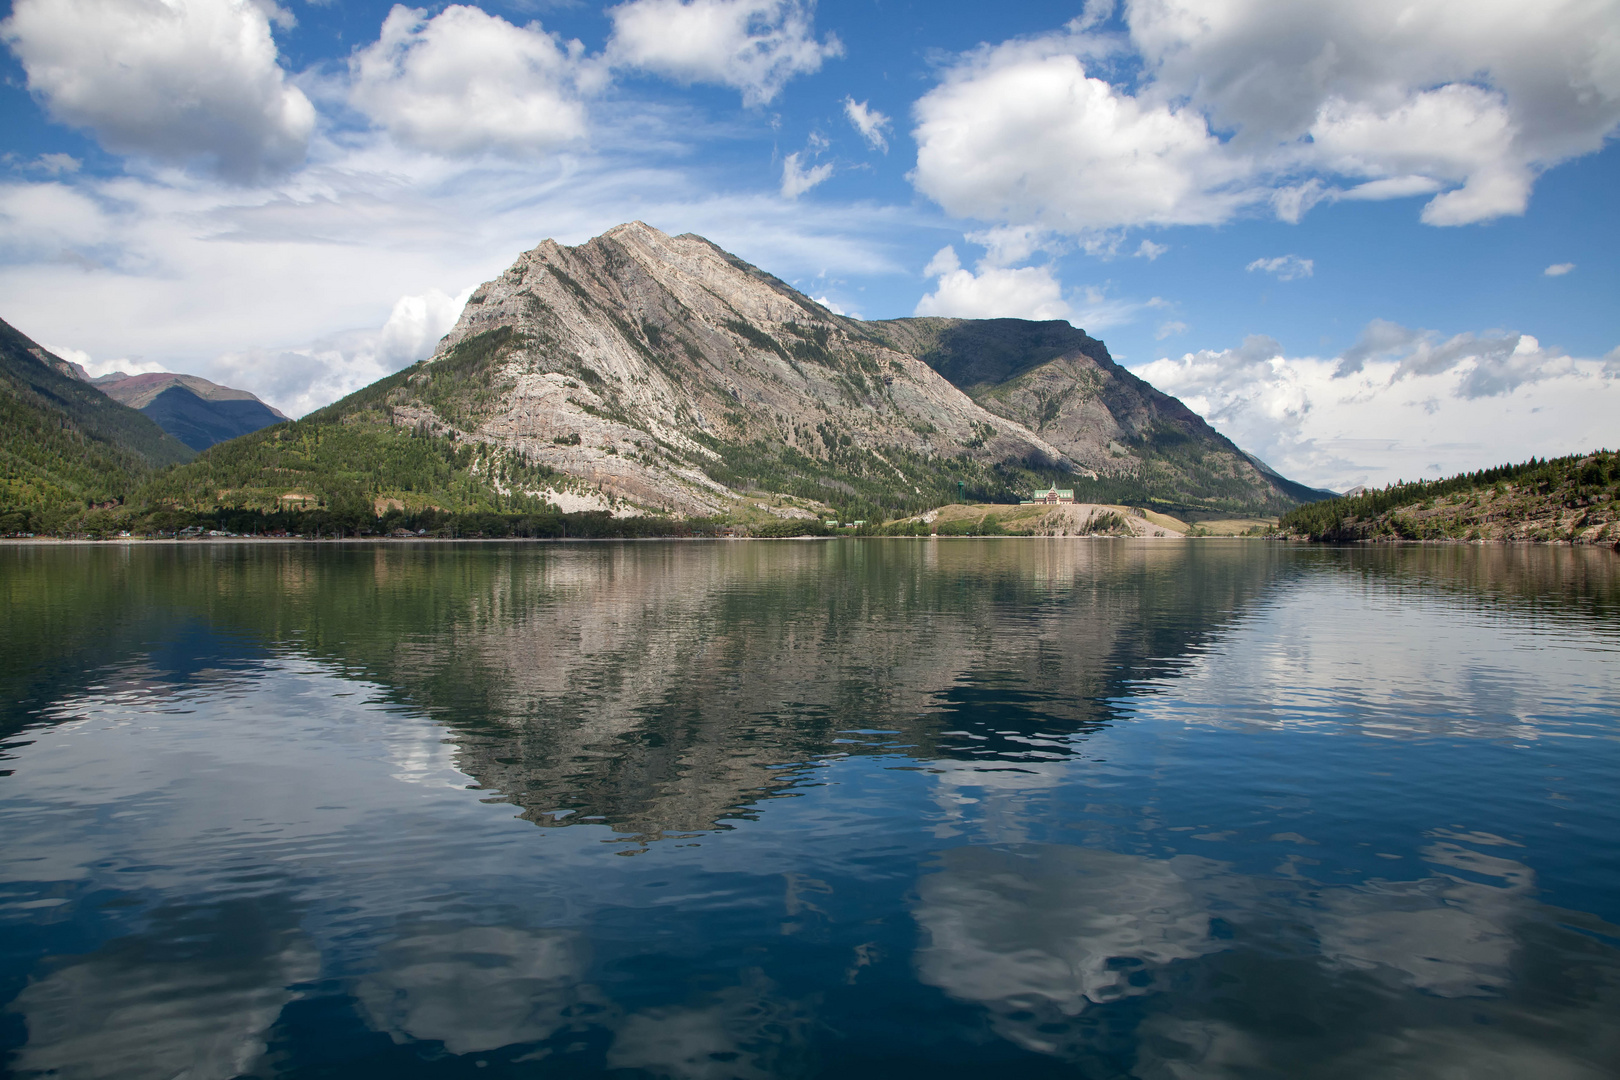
[65,445]
[1573,499]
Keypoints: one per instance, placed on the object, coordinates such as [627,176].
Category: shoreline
[143,541]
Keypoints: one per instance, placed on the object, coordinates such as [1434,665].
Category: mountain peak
[641,372]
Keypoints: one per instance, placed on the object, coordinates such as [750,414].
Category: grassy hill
[1572,499]
[64,445]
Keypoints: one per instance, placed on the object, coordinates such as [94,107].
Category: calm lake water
[967,808]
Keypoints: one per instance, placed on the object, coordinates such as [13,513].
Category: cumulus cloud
[465,82]
[50,222]
[796,179]
[754,46]
[1022,134]
[1029,292]
[301,378]
[1558,269]
[1396,403]
[869,122]
[175,80]
[1284,267]
[1198,112]
[1010,244]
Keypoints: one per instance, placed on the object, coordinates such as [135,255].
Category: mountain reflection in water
[971,808]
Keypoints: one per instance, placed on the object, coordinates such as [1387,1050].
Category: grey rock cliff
[646,372]
[662,354]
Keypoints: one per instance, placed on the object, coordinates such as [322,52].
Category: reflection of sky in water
[1343,824]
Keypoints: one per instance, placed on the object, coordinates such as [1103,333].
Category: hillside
[644,373]
[1573,499]
[1060,383]
[64,445]
[197,412]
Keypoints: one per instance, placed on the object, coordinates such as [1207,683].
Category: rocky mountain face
[197,412]
[63,444]
[1060,383]
[640,372]
[667,373]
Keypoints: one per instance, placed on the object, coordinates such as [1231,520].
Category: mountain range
[644,373]
[641,373]
[197,412]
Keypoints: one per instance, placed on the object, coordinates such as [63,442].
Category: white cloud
[464,82]
[176,80]
[1394,187]
[869,122]
[1399,404]
[1021,134]
[797,180]
[184,270]
[1466,101]
[1010,244]
[755,46]
[1150,251]
[1285,267]
[1170,329]
[1093,309]
[56,164]
[302,378]
[994,292]
[46,222]
[97,368]
[298,379]
[1558,269]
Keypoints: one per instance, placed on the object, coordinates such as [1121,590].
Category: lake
[852,808]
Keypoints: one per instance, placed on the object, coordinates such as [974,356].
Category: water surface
[856,808]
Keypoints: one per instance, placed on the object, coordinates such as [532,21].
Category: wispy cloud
[869,122]
[1558,269]
[796,179]
[1285,267]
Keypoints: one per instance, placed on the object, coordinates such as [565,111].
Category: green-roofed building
[1054,495]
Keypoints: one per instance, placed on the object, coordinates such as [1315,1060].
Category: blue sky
[1366,239]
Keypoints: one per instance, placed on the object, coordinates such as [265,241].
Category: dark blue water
[970,808]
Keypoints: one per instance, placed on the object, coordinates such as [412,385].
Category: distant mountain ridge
[197,412]
[641,372]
